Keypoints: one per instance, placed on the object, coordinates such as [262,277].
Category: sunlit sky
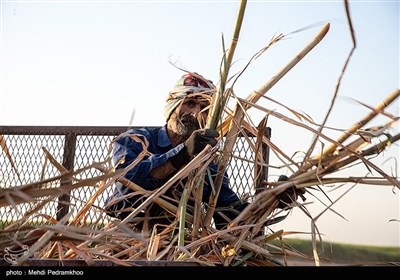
[109,63]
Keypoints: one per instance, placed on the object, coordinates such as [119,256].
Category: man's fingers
[208,132]
[208,136]
[210,141]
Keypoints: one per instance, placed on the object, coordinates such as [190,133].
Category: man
[168,149]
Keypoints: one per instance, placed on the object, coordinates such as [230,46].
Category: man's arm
[163,171]
[153,169]
[160,166]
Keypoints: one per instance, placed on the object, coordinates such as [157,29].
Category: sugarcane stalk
[198,195]
[28,193]
[5,149]
[329,168]
[219,101]
[239,114]
[331,148]
[155,196]
[182,215]
[359,180]
[41,241]
[349,21]
[375,149]
[314,142]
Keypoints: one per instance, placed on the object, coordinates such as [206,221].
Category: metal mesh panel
[28,165]
[241,168]
[78,147]
[89,149]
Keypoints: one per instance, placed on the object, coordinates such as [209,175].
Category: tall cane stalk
[219,101]
[239,114]
[331,148]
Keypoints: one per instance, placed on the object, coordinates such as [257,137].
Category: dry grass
[191,238]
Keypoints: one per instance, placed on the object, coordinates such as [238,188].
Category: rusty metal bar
[266,153]
[68,163]
[63,130]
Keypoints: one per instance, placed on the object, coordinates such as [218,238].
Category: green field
[348,253]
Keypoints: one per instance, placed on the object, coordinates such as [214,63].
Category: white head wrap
[188,84]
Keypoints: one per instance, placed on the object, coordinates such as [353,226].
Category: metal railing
[22,162]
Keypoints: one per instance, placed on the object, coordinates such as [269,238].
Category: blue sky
[108,63]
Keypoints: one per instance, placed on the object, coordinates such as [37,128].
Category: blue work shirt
[159,150]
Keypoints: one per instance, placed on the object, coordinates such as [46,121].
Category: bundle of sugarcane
[190,237]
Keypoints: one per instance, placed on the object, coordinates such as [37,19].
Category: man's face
[190,115]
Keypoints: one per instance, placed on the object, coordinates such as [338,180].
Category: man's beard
[185,126]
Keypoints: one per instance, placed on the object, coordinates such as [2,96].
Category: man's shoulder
[148,132]
[143,129]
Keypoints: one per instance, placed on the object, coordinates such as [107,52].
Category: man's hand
[290,195]
[199,140]
[193,145]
